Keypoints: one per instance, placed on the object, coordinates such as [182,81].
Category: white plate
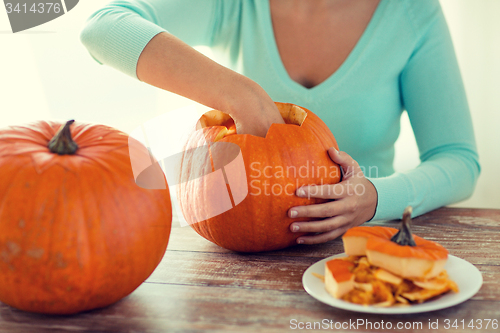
[466,275]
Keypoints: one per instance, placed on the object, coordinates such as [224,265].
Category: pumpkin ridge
[49,234]
[85,236]
[86,224]
[208,231]
[99,161]
[5,192]
[27,133]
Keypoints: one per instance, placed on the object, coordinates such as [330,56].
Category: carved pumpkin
[399,252]
[339,279]
[237,192]
[76,231]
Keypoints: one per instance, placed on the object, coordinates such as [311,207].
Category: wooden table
[201,287]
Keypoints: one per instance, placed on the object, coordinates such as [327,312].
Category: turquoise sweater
[403,61]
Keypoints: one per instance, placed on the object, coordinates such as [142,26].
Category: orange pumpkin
[76,231]
[259,177]
[398,252]
[339,279]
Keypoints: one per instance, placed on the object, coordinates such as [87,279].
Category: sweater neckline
[336,76]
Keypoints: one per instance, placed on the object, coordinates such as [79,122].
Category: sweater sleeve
[434,97]
[117,34]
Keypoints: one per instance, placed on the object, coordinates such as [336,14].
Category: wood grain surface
[200,287]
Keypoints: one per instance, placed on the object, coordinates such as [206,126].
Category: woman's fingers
[341,227]
[340,157]
[319,226]
[327,209]
[354,202]
[345,161]
[329,191]
[263,114]
[346,188]
[334,191]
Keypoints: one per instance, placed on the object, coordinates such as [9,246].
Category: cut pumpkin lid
[367,232]
[424,249]
[341,269]
[388,241]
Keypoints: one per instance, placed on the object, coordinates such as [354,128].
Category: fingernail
[335,150]
[295,228]
[301,193]
[300,241]
[293,213]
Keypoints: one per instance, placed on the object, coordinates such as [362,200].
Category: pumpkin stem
[62,143]
[404,236]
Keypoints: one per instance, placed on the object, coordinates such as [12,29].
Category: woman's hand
[355,202]
[253,110]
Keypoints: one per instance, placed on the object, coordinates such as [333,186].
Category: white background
[46,73]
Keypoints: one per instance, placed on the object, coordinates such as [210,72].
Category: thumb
[344,160]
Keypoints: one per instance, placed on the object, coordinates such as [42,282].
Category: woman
[356,64]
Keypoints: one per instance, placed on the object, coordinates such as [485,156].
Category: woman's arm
[432,92]
[170,64]
[434,97]
[131,36]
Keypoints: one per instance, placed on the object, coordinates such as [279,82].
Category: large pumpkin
[236,190]
[76,231]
